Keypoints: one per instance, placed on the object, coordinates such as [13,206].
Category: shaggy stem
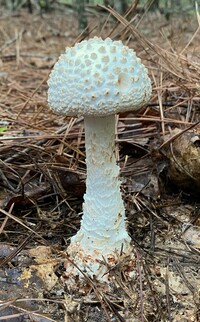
[103,227]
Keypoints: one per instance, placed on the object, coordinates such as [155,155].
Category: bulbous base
[83,269]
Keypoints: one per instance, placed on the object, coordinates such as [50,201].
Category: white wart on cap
[98,77]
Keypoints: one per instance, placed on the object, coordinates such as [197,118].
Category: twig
[11,41]
[39,143]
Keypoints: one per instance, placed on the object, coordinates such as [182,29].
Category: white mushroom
[97,79]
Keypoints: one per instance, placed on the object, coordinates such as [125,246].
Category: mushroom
[96,79]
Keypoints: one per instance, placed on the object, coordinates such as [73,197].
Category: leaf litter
[43,172]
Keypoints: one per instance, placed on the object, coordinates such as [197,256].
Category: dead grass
[43,171]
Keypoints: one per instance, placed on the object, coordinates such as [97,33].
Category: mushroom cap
[96,78]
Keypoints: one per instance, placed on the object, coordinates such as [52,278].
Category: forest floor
[42,173]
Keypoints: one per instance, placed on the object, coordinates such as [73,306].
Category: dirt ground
[42,173]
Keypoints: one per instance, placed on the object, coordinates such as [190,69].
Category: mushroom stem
[103,226]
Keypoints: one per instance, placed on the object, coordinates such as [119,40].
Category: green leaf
[3,129]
